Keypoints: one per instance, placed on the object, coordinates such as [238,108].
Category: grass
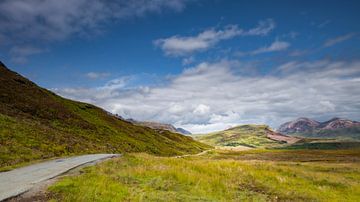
[37,124]
[324,145]
[256,175]
[244,135]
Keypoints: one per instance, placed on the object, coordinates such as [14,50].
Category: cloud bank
[215,96]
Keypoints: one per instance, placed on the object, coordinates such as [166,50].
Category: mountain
[247,135]
[160,126]
[338,123]
[299,125]
[333,128]
[35,123]
[183,131]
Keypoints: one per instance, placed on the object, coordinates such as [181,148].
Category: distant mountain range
[333,128]
[160,126]
[183,131]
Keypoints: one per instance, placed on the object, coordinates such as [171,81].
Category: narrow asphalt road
[18,181]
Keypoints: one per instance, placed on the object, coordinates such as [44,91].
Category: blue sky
[202,65]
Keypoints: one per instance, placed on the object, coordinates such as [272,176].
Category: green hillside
[244,135]
[37,124]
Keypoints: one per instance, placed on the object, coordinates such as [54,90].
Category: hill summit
[248,136]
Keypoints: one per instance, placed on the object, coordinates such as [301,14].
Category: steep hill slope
[334,128]
[247,135]
[36,124]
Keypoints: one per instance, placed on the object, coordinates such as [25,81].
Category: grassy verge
[219,176]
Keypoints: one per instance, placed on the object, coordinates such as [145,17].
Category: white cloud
[201,109]
[188,60]
[177,45]
[97,75]
[116,83]
[206,128]
[263,28]
[275,46]
[183,45]
[215,96]
[338,39]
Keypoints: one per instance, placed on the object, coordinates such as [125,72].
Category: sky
[204,65]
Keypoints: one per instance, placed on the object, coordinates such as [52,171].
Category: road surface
[18,181]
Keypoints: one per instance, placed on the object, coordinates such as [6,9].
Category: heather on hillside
[37,124]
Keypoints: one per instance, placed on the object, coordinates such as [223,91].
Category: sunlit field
[255,175]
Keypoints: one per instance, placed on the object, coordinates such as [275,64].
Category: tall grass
[218,176]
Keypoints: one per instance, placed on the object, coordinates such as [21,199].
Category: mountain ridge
[332,127]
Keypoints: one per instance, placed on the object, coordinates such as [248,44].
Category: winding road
[18,181]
